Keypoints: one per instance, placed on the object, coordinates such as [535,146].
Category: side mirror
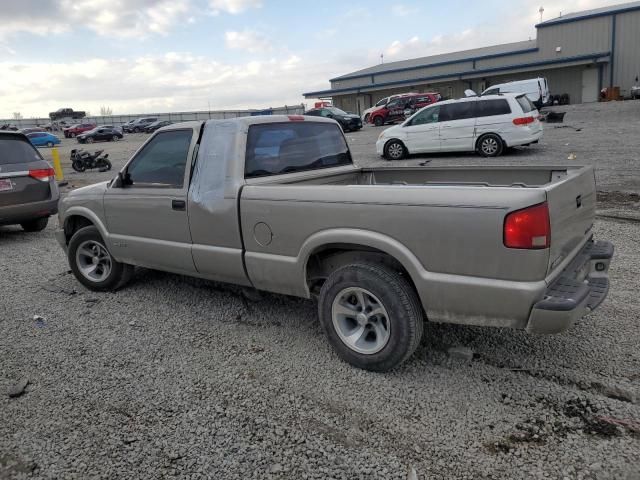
[121,181]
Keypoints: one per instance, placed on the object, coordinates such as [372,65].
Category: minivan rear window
[274,148]
[16,150]
[488,108]
[525,103]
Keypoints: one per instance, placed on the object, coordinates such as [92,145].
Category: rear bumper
[579,289]
[523,136]
[14,214]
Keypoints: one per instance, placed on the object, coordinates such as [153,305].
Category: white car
[536,89]
[486,125]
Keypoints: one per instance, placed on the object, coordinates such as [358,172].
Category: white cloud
[248,40]
[119,18]
[400,10]
[174,81]
[233,7]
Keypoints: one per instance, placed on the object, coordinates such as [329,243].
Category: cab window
[162,161]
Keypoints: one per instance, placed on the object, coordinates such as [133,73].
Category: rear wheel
[394,150]
[93,265]
[378,122]
[490,145]
[35,225]
[366,118]
[89,140]
[72,135]
[49,144]
[115,138]
[371,315]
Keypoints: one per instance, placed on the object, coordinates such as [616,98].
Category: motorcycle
[82,160]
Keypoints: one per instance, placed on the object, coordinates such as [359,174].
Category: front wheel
[394,150]
[371,315]
[93,265]
[366,118]
[72,135]
[35,225]
[49,144]
[89,140]
[78,165]
[115,138]
[490,145]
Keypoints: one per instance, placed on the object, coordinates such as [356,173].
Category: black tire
[50,144]
[89,140]
[72,135]
[78,166]
[136,130]
[490,145]
[366,118]
[115,138]
[398,298]
[378,121]
[119,274]
[395,150]
[35,225]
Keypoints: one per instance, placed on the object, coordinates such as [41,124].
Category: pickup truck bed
[276,203]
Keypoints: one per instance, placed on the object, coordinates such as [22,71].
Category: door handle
[178,205]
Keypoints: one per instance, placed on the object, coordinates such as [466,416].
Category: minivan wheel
[35,225]
[378,122]
[371,315]
[490,145]
[394,150]
[92,263]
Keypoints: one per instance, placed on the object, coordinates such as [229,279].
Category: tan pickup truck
[277,204]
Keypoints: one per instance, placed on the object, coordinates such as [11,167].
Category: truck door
[147,216]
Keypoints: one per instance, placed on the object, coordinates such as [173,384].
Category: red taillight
[42,174]
[528,228]
[523,120]
[296,118]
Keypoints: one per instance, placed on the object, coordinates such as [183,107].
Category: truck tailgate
[572,203]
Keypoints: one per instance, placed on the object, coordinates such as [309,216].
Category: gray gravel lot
[174,376]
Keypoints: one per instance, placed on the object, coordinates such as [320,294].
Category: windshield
[274,148]
[337,111]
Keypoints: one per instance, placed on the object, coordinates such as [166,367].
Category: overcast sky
[138,56]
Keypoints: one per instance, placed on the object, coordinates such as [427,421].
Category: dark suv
[402,107]
[139,125]
[348,121]
[28,189]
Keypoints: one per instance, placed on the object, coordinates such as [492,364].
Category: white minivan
[487,125]
[536,90]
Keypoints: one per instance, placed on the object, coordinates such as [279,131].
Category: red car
[77,129]
[396,109]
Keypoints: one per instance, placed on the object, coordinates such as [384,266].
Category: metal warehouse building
[578,53]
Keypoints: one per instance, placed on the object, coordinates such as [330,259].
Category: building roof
[445,58]
[596,12]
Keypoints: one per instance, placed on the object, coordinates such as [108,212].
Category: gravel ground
[174,376]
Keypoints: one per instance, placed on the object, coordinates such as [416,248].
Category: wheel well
[328,258]
[75,223]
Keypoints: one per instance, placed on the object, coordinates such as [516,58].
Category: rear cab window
[276,148]
[15,149]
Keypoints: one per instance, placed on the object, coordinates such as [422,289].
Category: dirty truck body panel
[444,226]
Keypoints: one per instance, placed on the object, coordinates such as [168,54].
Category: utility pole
[541,11]
[382,58]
